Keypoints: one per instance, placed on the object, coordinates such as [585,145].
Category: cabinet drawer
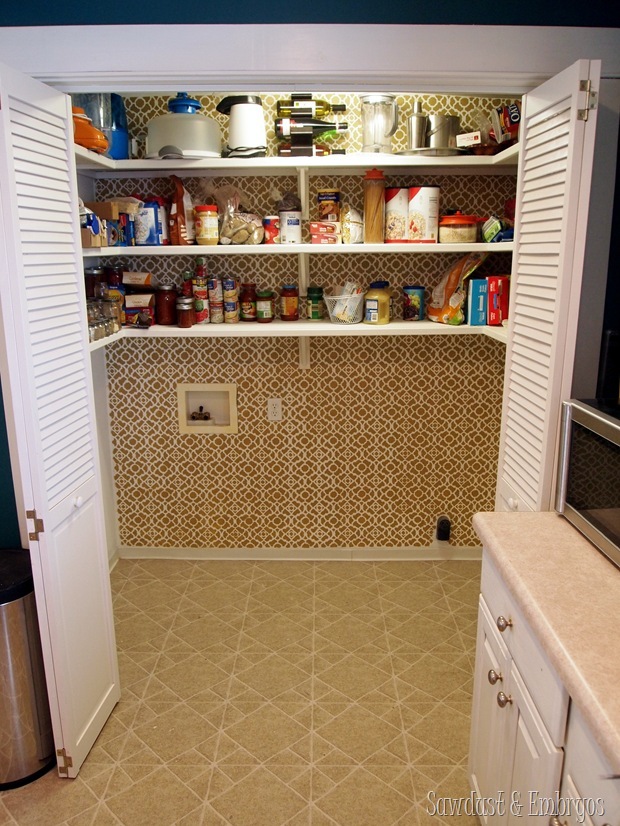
[586,783]
[544,685]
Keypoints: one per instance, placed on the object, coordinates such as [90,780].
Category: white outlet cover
[274,410]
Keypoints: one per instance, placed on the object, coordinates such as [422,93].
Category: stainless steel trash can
[26,741]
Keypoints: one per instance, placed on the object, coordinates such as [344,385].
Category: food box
[477,302]
[468,139]
[324,238]
[91,239]
[108,210]
[138,279]
[423,215]
[140,310]
[498,287]
[324,227]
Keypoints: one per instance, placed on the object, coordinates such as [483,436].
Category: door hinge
[61,754]
[591,99]
[38,526]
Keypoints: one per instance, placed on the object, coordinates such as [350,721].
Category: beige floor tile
[267,693]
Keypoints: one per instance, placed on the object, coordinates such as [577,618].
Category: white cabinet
[519,711]
[590,793]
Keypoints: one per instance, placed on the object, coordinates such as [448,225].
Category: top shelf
[101,167]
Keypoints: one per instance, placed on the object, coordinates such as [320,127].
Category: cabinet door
[489,722]
[48,397]
[536,764]
[553,188]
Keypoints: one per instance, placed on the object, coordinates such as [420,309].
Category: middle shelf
[297,249]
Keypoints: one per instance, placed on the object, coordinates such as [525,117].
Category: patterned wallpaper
[379,436]
[140,110]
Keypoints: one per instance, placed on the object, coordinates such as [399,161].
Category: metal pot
[442,130]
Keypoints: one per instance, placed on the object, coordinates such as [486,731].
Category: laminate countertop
[570,594]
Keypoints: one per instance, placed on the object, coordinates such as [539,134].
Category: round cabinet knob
[78,502]
[494,677]
[503,623]
[503,700]
[554,820]
[513,504]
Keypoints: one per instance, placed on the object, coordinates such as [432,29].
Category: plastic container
[377,303]
[374,207]
[413,302]
[315,304]
[206,225]
[458,229]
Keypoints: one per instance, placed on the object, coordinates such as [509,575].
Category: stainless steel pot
[442,130]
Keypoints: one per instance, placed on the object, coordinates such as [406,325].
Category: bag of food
[352,225]
[237,224]
[448,297]
[181,218]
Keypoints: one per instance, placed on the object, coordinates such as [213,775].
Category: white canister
[396,212]
[423,215]
[290,227]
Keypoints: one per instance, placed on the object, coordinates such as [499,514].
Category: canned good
[230,289]
[290,227]
[396,214]
[271,224]
[413,302]
[231,312]
[201,309]
[423,214]
[217,312]
[216,291]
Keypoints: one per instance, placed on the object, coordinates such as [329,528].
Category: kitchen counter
[570,595]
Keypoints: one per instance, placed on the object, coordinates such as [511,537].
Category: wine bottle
[287,127]
[304,103]
[317,150]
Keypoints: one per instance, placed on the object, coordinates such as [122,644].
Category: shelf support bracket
[304,352]
[303,178]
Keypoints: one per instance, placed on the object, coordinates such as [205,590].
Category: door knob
[503,700]
[503,623]
[78,502]
[494,677]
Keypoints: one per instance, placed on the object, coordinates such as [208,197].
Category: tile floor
[272,693]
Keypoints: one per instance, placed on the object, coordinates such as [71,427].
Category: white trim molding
[438,551]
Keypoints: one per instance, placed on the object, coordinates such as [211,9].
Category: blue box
[477,302]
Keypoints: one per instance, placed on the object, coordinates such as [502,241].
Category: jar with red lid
[247,302]
[458,229]
[289,302]
[185,312]
[166,305]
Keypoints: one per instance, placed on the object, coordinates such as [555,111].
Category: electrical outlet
[274,410]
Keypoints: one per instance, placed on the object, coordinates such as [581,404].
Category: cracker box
[140,310]
[326,238]
[498,289]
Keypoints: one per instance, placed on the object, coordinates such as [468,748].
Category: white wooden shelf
[303,329]
[296,249]
[357,163]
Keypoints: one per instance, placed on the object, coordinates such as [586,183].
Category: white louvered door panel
[50,409]
[553,190]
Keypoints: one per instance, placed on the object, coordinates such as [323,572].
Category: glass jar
[94,280]
[247,302]
[166,305]
[185,312]
[112,314]
[205,222]
[315,307]
[265,310]
[289,302]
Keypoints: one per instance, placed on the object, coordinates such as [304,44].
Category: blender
[379,122]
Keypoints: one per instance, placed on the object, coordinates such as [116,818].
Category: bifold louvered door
[555,166]
[50,415]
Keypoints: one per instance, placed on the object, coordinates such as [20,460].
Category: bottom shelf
[304,329]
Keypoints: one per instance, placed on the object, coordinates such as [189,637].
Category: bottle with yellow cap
[377,302]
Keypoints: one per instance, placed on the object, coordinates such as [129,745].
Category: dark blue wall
[9,528]
[605,13]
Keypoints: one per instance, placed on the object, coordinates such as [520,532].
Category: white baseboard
[437,551]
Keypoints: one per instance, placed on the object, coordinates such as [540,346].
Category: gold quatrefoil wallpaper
[378,437]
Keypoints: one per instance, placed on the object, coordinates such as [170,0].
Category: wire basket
[345,309]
